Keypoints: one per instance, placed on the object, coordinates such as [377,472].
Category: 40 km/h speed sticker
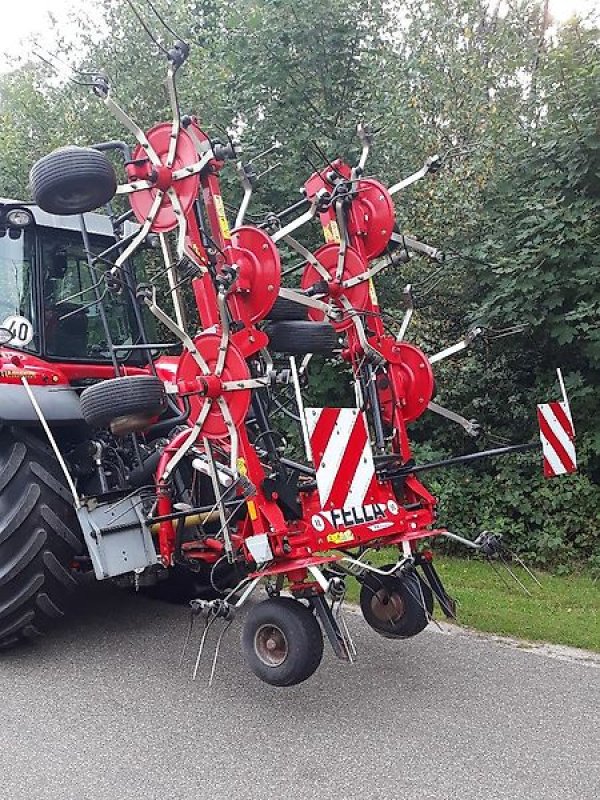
[21,329]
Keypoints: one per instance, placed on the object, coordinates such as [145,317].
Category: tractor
[149,358]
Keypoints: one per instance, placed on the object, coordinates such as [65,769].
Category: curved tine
[183,449]
[80,309]
[513,576]
[187,639]
[144,25]
[224,343]
[161,19]
[520,561]
[143,232]
[90,288]
[133,128]
[59,60]
[498,573]
[420,598]
[310,257]
[341,221]
[350,646]
[216,655]
[181,221]
[208,625]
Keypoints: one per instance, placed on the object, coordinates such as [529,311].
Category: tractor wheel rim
[387,606]
[271,645]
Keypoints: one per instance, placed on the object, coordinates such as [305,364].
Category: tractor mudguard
[59,404]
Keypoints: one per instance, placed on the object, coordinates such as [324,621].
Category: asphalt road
[101,710]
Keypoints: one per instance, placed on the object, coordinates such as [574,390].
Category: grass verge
[566,610]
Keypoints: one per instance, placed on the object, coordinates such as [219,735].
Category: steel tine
[207,627]
[513,576]
[498,573]
[216,655]
[341,619]
[525,567]
[187,639]
[421,601]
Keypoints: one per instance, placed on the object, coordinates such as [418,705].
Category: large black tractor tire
[282,641]
[396,607]
[39,536]
[72,180]
[300,338]
[284,309]
[126,404]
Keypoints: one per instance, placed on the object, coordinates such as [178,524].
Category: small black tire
[72,180]
[39,537]
[282,641]
[285,309]
[393,605]
[126,404]
[300,338]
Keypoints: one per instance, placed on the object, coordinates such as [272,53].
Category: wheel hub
[271,645]
[387,606]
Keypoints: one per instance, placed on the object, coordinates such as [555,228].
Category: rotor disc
[234,369]
[259,278]
[186,189]
[375,211]
[413,369]
[357,296]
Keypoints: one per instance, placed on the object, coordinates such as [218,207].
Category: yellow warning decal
[339,537]
[331,232]
[220,209]
[373,293]
[252,510]
[241,466]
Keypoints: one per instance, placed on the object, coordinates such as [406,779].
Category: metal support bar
[432,162]
[52,441]
[466,459]
[330,626]
[471,426]
[455,348]
[295,224]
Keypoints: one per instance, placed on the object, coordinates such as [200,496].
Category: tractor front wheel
[39,536]
[282,641]
[396,606]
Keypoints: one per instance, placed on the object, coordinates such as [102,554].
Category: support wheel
[39,537]
[282,641]
[286,310]
[396,606]
[127,404]
[302,337]
[72,180]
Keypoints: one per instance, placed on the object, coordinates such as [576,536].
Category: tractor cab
[53,299]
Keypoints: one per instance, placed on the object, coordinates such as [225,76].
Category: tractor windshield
[73,325]
[17,309]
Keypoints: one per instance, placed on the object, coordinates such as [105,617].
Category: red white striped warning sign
[557,434]
[342,456]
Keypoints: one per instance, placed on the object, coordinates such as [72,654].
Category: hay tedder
[172,473]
